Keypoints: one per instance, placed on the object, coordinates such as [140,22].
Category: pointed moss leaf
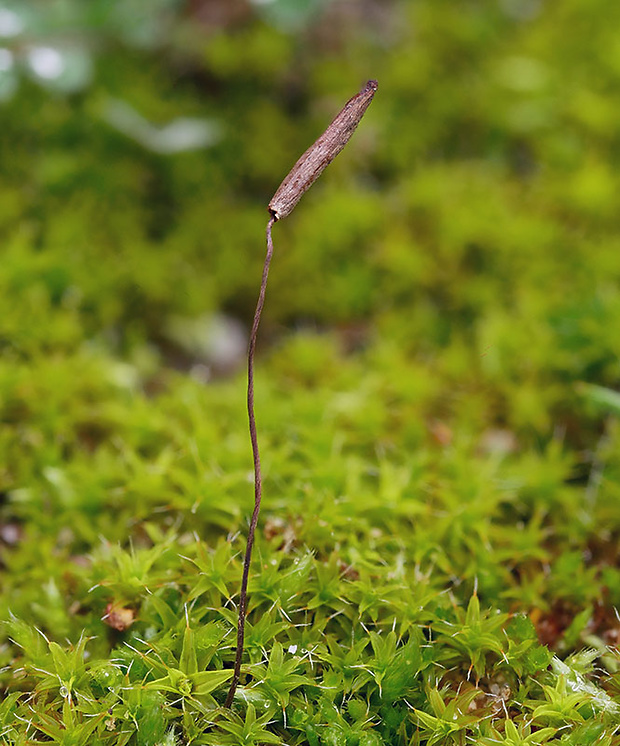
[472,617]
[279,678]
[327,587]
[32,642]
[258,636]
[436,703]
[186,685]
[251,731]
[435,728]
[207,681]
[62,663]
[207,641]
[213,566]
[176,681]
[401,676]
[312,735]
[525,654]
[592,734]
[8,707]
[578,683]
[583,660]
[150,719]
[256,696]
[166,614]
[70,663]
[449,719]
[517,736]
[188,662]
[71,729]
[578,625]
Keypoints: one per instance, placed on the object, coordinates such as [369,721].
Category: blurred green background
[465,247]
[476,209]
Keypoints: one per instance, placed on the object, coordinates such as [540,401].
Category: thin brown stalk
[258,482]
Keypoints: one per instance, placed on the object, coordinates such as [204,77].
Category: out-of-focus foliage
[54,41]
[436,392]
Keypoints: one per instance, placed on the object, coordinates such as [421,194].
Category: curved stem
[258,486]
